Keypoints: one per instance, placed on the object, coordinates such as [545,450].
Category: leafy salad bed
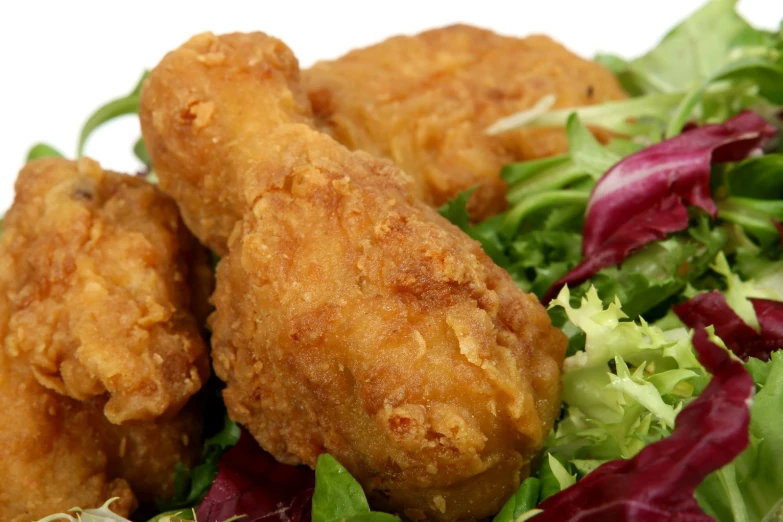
[659,254]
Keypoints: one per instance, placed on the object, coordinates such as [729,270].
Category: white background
[61,59]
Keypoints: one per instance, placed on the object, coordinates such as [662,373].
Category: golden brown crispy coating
[96,329]
[350,317]
[51,451]
[425,101]
[94,278]
[212,164]
[57,453]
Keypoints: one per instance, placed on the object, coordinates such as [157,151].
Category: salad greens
[708,68]
[338,497]
[123,106]
[101,514]
[521,502]
[190,486]
[632,369]
[660,254]
[658,482]
[751,487]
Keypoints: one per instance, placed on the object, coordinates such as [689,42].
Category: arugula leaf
[42,150]
[339,497]
[529,177]
[128,104]
[540,201]
[516,173]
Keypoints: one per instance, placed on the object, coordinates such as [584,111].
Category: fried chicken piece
[350,317]
[58,453]
[97,326]
[94,278]
[425,101]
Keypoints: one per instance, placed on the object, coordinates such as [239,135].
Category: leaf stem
[537,201]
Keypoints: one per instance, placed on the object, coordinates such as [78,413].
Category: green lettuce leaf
[338,496]
[122,106]
[708,68]
[625,389]
[650,278]
[525,499]
[690,52]
[585,151]
[42,150]
[759,177]
[485,233]
[751,487]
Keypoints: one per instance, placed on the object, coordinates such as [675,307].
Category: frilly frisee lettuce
[101,514]
[104,514]
[625,389]
[767,285]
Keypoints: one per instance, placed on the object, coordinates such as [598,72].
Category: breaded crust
[425,102]
[350,318]
[101,345]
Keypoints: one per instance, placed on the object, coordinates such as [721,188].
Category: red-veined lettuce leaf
[659,482]
[779,226]
[712,309]
[645,195]
[252,483]
[770,316]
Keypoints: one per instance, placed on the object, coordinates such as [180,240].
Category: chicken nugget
[425,101]
[350,317]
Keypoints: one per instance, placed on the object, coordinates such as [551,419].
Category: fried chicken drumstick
[99,319]
[425,101]
[350,317]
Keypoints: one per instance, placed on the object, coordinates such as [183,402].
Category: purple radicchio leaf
[645,196]
[657,485]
